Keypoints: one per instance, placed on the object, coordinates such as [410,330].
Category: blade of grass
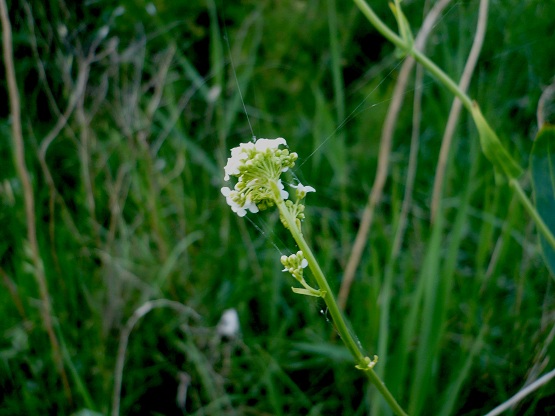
[452,393]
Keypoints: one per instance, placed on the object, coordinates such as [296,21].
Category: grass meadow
[119,255]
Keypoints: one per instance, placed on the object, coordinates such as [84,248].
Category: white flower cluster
[258,167]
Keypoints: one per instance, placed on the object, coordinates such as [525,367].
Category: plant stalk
[333,309]
[410,50]
[457,91]
[542,227]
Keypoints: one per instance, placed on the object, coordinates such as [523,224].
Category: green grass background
[134,213]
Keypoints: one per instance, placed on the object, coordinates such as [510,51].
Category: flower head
[258,167]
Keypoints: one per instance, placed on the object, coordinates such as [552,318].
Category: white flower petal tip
[304,263]
[304,189]
[253,208]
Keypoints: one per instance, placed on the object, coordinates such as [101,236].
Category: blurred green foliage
[128,209]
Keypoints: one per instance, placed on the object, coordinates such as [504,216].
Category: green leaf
[493,149]
[542,164]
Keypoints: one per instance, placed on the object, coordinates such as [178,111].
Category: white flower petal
[263,144]
[304,263]
[248,145]
[232,167]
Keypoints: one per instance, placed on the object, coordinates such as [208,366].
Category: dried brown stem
[12,288]
[28,197]
[457,106]
[383,157]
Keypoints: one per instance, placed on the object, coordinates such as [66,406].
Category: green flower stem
[416,54]
[442,77]
[381,26]
[333,309]
[542,227]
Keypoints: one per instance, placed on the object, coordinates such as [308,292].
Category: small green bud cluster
[368,364]
[294,264]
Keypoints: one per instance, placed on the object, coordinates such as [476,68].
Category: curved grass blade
[542,165]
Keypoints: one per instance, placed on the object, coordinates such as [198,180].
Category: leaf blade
[542,165]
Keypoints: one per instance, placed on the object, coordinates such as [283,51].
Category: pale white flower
[241,210]
[304,263]
[302,188]
[257,167]
[228,326]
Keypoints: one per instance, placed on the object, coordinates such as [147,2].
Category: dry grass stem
[384,154]
[457,106]
[29,201]
[522,394]
[413,162]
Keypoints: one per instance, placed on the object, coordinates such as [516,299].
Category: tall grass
[126,164]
